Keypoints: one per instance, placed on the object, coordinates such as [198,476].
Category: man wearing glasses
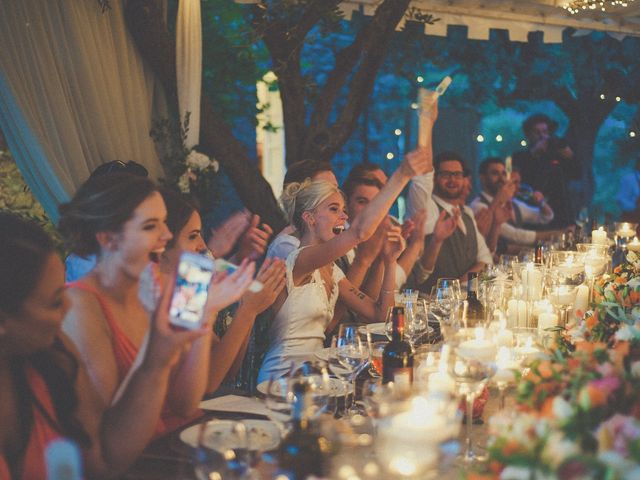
[464,250]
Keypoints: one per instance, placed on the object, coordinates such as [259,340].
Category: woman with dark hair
[45,392]
[227,352]
[121,219]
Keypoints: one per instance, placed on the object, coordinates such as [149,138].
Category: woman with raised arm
[121,218]
[227,353]
[45,392]
[313,282]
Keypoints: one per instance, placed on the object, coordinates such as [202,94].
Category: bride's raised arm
[317,255]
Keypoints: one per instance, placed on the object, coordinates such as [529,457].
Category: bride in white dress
[313,282]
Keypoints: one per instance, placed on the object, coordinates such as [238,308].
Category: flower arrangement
[576,417]
[577,413]
[190,170]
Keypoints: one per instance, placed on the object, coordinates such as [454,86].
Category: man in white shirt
[497,190]
[465,249]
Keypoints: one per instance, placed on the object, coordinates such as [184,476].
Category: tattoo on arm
[357,293]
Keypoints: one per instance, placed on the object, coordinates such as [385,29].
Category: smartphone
[190,290]
[221,265]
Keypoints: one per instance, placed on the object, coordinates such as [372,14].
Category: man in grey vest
[458,250]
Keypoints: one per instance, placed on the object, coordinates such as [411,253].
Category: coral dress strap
[44,428]
[4,469]
[124,350]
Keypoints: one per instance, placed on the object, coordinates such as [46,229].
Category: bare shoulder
[85,314]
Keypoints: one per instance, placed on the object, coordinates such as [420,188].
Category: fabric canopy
[519,17]
[74,94]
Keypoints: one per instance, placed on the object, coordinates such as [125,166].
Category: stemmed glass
[566,273]
[352,353]
[451,283]
[470,375]
[445,306]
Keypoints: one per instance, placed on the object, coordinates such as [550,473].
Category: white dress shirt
[512,233]
[421,197]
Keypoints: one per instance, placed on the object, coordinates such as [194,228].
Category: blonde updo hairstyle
[298,198]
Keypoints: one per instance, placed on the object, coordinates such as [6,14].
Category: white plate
[264,435]
[335,386]
[325,354]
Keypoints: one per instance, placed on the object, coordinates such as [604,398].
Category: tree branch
[368,52]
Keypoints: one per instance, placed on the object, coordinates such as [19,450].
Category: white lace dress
[298,327]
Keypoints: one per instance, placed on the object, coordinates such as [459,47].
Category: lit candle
[582,299]
[625,230]
[517,312]
[527,353]
[570,267]
[505,367]
[563,295]
[547,320]
[531,282]
[599,236]
[504,337]
[478,348]
[634,245]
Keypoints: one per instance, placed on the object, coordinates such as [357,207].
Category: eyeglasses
[448,175]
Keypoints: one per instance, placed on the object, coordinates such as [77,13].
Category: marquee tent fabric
[519,17]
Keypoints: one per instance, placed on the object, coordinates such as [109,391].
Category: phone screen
[190,291]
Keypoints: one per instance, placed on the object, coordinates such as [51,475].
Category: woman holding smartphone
[121,219]
[227,353]
[45,392]
[314,283]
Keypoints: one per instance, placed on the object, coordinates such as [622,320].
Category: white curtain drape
[74,94]
[189,66]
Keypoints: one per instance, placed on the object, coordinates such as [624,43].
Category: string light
[577,6]
[480,139]
[602,97]
[523,143]
[398,132]
[414,106]
[632,134]
[419,79]
[390,156]
[618,99]
[498,138]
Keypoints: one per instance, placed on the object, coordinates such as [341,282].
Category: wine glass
[352,353]
[471,374]
[446,308]
[507,264]
[315,374]
[451,283]
[279,400]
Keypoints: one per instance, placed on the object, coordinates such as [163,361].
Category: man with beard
[462,251]
[498,192]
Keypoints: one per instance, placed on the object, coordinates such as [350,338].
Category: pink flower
[617,432]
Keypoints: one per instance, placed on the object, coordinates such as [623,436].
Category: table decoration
[634,245]
[577,412]
[599,236]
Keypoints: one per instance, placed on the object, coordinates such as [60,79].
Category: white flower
[624,333]
[197,160]
[557,449]
[183,182]
[561,408]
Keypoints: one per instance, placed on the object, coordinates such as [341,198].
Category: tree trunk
[147,27]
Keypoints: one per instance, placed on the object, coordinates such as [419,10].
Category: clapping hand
[254,240]
[394,244]
[227,289]
[484,220]
[446,225]
[418,221]
[272,277]
[224,237]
